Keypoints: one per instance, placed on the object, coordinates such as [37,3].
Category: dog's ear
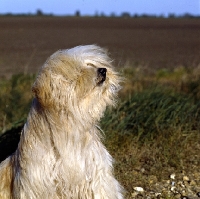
[41,89]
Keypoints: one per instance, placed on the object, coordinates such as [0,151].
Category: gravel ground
[178,185]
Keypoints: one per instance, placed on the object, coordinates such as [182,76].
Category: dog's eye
[90,65]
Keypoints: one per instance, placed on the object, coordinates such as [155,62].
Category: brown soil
[26,42]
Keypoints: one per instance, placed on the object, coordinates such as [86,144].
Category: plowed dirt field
[26,42]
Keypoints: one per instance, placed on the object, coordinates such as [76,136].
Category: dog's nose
[102,71]
[101,75]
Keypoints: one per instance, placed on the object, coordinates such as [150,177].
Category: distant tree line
[122,15]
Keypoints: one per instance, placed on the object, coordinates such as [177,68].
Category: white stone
[139,189]
[172,176]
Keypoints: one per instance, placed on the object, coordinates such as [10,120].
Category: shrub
[151,112]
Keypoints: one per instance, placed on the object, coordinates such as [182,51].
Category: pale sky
[90,7]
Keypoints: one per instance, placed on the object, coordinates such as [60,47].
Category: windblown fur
[60,154]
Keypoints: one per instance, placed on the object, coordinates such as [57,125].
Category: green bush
[151,112]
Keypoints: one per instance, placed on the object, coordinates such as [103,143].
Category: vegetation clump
[151,112]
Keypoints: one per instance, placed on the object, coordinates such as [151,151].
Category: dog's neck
[46,130]
[59,125]
[61,117]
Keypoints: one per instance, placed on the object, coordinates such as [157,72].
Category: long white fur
[60,153]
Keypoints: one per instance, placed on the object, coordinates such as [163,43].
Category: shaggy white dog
[60,154]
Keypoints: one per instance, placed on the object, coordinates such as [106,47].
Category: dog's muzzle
[101,75]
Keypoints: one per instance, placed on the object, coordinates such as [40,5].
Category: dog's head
[80,81]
